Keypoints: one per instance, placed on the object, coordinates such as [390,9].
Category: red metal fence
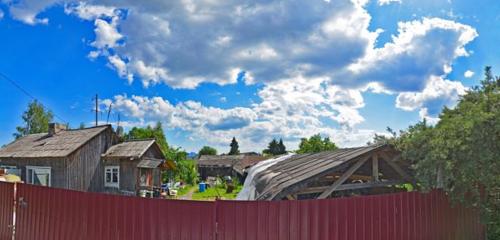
[6,208]
[392,216]
[49,213]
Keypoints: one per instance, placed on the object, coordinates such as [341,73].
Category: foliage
[212,193]
[461,153]
[35,120]
[206,150]
[275,148]
[234,147]
[185,169]
[316,144]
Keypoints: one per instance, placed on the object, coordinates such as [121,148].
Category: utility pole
[109,112]
[96,109]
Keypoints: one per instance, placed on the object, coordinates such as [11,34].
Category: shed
[362,170]
[226,165]
[134,165]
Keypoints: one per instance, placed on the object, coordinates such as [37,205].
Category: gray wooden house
[226,165]
[134,165]
[88,159]
[61,158]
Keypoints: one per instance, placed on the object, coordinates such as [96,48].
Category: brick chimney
[55,128]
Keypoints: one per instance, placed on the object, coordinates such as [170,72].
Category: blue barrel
[202,186]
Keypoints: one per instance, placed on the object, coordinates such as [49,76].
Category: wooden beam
[290,197]
[396,168]
[352,177]
[375,168]
[343,178]
[352,186]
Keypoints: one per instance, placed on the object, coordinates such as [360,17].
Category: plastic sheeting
[248,190]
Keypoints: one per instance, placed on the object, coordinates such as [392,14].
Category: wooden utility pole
[96,109]
[109,112]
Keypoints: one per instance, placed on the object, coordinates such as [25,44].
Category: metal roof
[298,168]
[130,149]
[43,145]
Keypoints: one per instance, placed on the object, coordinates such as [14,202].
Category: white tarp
[248,190]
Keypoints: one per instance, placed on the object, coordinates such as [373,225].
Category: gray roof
[149,163]
[298,168]
[238,162]
[131,149]
[42,145]
[219,160]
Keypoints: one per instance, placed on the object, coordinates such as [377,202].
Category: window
[146,177]
[112,176]
[38,175]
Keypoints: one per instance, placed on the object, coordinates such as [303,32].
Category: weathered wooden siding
[128,175]
[84,168]
[57,167]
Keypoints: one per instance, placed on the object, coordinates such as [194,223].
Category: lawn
[211,194]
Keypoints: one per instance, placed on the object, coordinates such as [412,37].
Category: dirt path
[188,195]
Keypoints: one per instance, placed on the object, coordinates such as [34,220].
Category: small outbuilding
[133,166]
[226,165]
[350,171]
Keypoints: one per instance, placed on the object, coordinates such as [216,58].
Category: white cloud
[1,14]
[27,10]
[387,2]
[468,74]
[438,93]
[106,33]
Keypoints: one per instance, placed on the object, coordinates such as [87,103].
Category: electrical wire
[15,84]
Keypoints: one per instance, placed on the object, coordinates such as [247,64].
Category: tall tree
[207,150]
[35,120]
[272,148]
[461,153]
[281,147]
[316,144]
[234,147]
[155,132]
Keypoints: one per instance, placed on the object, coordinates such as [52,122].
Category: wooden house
[61,158]
[343,172]
[133,166]
[226,165]
[86,159]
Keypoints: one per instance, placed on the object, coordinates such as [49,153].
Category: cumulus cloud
[314,60]
[468,74]
[438,93]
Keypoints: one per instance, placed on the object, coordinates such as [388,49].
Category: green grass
[211,194]
[183,191]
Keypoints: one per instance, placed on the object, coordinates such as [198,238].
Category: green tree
[234,147]
[206,150]
[461,153]
[316,144]
[82,125]
[35,120]
[281,147]
[185,171]
[275,148]
[149,132]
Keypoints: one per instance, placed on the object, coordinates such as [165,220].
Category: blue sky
[251,69]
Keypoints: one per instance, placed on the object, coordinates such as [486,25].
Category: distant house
[226,165]
[86,159]
[134,165]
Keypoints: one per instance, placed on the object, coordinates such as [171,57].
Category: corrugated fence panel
[49,213]
[412,215]
[6,210]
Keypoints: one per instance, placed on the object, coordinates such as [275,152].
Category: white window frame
[110,169]
[33,170]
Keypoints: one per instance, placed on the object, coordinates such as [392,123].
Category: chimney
[55,128]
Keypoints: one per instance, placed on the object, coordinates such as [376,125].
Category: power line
[15,84]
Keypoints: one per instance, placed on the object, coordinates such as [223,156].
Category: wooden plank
[375,168]
[396,168]
[352,186]
[343,178]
